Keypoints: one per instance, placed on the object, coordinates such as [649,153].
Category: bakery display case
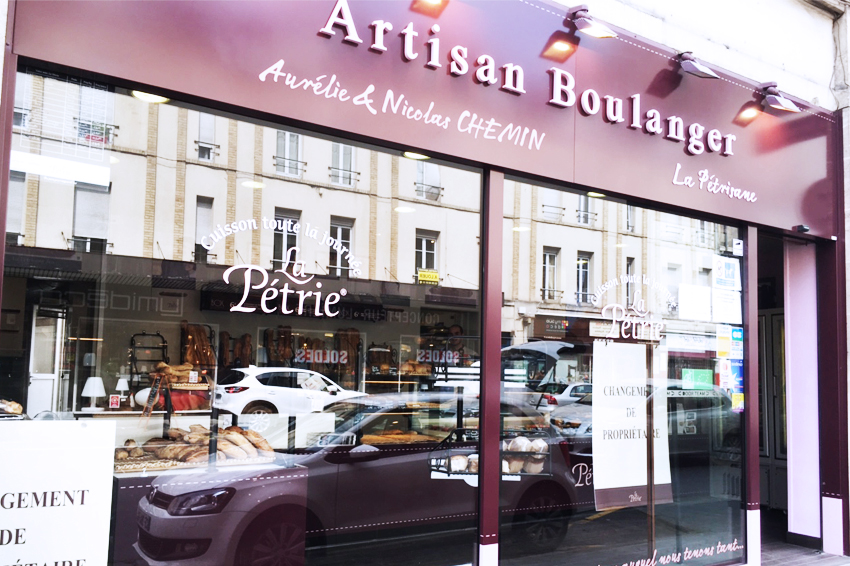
[523,453]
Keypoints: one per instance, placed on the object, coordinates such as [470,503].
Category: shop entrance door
[48,329]
[773,449]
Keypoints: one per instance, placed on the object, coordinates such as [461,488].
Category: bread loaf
[231,450]
[242,442]
[259,442]
[121,454]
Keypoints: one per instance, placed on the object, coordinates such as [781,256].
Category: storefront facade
[337,282]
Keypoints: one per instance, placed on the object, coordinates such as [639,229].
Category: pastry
[196,438]
[534,465]
[199,428]
[231,450]
[121,454]
[458,463]
[129,443]
[176,433]
[137,452]
[259,442]
[242,442]
[155,443]
[539,445]
[515,464]
[473,464]
[519,444]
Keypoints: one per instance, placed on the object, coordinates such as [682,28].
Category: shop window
[342,165]
[426,249]
[206,137]
[203,229]
[91,219]
[286,239]
[428,181]
[630,281]
[287,160]
[583,294]
[340,251]
[15,210]
[583,213]
[550,291]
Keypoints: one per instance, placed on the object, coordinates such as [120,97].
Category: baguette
[259,442]
[154,444]
[176,433]
[197,438]
[242,442]
[231,450]
[199,428]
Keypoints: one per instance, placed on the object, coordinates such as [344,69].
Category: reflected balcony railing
[292,167]
[345,177]
[428,192]
[585,217]
[551,295]
[583,298]
[552,213]
[89,245]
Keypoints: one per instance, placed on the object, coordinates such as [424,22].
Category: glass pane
[635,383]
[264,407]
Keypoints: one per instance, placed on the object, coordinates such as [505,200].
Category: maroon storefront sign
[477,83]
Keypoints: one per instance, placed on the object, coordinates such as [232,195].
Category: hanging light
[431,8]
[587,25]
[693,67]
[774,99]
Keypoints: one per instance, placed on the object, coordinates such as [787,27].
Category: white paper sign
[694,302]
[620,424]
[726,306]
[56,491]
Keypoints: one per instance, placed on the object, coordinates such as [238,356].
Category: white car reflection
[259,392]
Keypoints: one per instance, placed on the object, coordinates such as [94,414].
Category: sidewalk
[775,551]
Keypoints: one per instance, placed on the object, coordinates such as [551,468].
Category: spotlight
[775,100]
[585,24]
[559,47]
[431,8]
[693,67]
[802,228]
[414,155]
[748,112]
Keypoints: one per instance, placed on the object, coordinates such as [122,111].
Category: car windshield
[231,377]
[586,400]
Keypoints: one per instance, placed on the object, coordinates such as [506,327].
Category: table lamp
[122,387]
[93,388]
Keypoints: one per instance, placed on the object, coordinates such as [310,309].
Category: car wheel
[541,521]
[258,417]
[278,542]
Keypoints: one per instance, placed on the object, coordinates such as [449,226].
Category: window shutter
[203,218]
[15,210]
[207,128]
[91,211]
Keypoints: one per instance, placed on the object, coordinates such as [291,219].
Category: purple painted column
[7,115]
[752,492]
[491,374]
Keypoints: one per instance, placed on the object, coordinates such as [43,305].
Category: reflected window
[630,218]
[91,218]
[426,249]
[203,229]
[583,214]
[285,238]
[15,210]
[206,137]
[630,283]
[428,180]
[583,294]
[288,157]
[342,165]
[341,233]
[550,274]
[23,85]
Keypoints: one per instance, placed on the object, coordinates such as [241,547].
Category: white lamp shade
[122,384]
[94,387]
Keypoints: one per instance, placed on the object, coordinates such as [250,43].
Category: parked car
[262,391]
[373,477]
[547,396]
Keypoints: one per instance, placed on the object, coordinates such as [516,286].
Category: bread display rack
[146,350]
[524,453]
